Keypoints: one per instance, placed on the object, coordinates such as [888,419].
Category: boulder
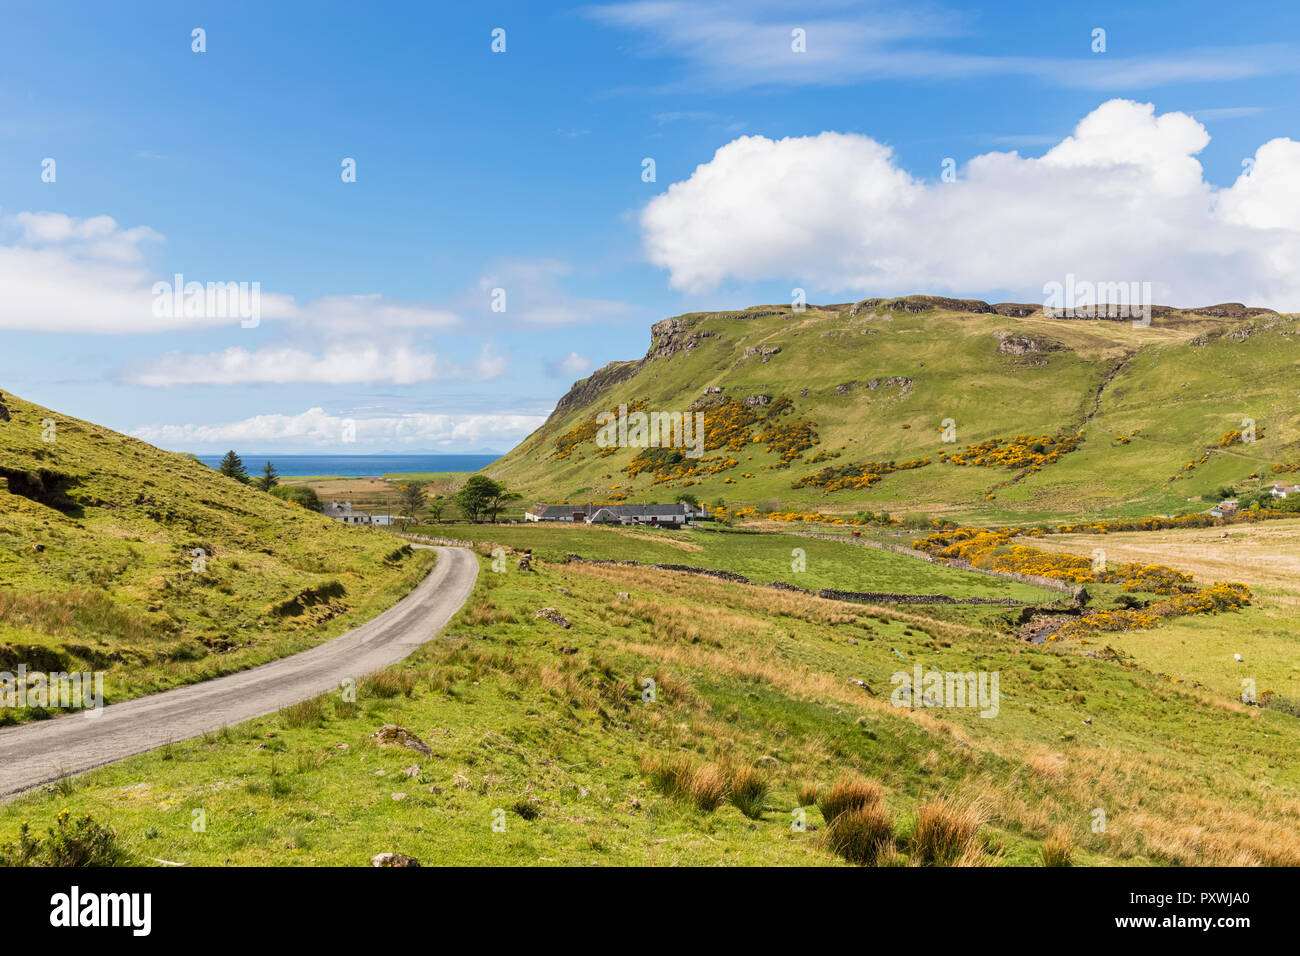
[391,735]
[554,616]
[393,859]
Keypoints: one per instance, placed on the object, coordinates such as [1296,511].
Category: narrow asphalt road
[41,752]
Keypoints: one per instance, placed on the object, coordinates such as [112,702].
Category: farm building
[679,513]
[343,511]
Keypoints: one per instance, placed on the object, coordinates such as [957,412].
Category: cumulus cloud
[338,365]
[1122,199]
[572,365]
[60,273]
[317,429]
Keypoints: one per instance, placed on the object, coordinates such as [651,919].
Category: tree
[232,467]
[298,494]
[690,499]
[476,495]
[498,501]
[436,508]
[270,478]
[411,498]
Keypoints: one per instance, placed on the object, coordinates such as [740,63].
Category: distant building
[1279,490]
[385,519]
[1224,508]
[674,514]
[343,511]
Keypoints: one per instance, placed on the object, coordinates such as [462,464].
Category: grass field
[147,565]
[544,732]
[762,558]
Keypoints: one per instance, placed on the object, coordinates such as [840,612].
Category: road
[44,751]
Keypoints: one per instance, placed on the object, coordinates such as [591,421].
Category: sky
[452,212]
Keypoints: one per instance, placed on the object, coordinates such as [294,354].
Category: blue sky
[775,169]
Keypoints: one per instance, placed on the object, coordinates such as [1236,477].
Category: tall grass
[748,790]
[863,835]
[947,832]
[849,793]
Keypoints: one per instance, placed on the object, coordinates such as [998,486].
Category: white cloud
[316,429]
[572,365]
[1122,199]
[730,47]
[338,365]
[64,274]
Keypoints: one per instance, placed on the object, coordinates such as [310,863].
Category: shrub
[748,789]
[947,832]
[849,793]
[83,843]
[863,835]
[298,494]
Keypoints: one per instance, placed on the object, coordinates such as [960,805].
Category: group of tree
[482,499]
[232,466]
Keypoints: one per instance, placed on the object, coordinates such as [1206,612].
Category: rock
[393,859]
[764,350]
[4,413]
[563,590]
[1015,344]
[392,735]
[844,388]
[399,796]
[554,616]
[624,595]
[525,562]
[413,770]
[803,393]
[713,390]
[894,381]
[757,401]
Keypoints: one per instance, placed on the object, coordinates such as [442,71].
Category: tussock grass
[306,713]
[808,793]
[863,835]
[1058,848]
[748,788]
[849,793]
[947,832]
[388,683]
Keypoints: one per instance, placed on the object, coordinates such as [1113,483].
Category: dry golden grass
[850,793]
[747,789]
[863,835]
[947,832]
[1058,848]
[1266,554]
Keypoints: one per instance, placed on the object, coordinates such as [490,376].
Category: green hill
[99,571]
[815,411]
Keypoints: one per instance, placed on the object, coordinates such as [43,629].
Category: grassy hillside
[544,731]
[875,382]
[98,571]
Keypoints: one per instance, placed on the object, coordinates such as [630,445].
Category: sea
[356,466]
